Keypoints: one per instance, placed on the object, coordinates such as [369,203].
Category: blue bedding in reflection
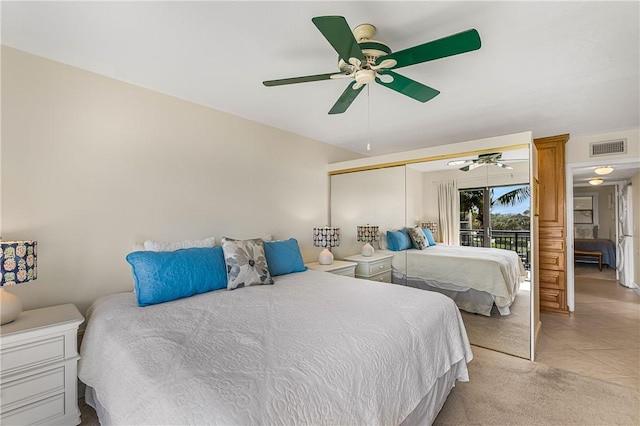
[606,247]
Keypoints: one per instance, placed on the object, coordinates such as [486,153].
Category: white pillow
[151,245]
[382,239]
[585,232]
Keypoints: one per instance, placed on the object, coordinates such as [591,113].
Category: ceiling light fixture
[603,170]
[595,181]
[456,162]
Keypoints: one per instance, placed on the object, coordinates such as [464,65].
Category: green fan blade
[337,32]
[346,99]
[455,44]
[409,87]
[294,80]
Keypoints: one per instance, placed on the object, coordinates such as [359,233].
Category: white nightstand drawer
[43,411]
[367,269]
[30,388]
[32,354]
[347,272]
[383,277]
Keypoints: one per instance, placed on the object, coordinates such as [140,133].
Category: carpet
[509,334]
[505,390]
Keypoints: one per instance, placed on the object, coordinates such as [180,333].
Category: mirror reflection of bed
[489,284]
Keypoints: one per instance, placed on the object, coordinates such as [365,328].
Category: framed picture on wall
[583,210]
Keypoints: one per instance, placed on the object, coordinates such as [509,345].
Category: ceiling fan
[488,159]
[366,60]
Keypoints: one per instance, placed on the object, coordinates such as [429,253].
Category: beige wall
[577,149]
[91,165]
[376,197]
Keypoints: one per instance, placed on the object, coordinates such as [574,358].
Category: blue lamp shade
[327,236]
[18,264]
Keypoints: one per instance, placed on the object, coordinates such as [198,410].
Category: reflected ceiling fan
[483,159]
[365,60]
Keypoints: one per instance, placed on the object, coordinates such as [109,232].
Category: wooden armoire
[552,256]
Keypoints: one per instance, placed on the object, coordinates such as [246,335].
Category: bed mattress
[314,348]
[497,272]
[606,247]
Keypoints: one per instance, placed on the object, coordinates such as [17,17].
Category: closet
[552,224]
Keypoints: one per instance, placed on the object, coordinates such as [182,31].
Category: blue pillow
[283,257]
[164,276]
[399,240]
[429,235]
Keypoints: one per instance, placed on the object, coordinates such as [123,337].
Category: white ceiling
[548,67]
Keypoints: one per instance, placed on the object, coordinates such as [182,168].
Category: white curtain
[449,212]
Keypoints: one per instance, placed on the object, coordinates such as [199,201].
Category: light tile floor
[601,339]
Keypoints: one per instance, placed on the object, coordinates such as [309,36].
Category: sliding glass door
[497,216]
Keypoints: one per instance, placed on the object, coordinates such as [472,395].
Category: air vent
[618,146]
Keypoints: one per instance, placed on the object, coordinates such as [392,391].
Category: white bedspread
[314,348]
[496,271]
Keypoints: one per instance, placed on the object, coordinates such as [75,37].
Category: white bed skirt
[467,299]
[424,414]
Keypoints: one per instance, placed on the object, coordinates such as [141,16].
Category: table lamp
[432,226]
[18,264]
[327,236]
[367,233]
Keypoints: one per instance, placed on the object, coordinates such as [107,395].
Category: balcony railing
[518,241]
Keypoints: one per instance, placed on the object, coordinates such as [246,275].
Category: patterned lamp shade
[367,233]
[327,236]
[432,226]
[18,262]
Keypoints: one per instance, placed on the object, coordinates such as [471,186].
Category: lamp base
[10,306]
[367,250]
[325,257]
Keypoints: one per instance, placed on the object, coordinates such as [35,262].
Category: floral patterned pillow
[246,263]
[418,238]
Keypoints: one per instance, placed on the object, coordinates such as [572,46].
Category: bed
[313,348]
[604,246]
[477,278]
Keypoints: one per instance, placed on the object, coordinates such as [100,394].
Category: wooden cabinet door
[552,180]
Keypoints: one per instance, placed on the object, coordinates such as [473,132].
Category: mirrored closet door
[463,203]
[477,209]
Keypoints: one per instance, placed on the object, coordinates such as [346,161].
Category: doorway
[579,175]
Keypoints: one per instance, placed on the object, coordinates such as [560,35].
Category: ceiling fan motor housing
[371,49]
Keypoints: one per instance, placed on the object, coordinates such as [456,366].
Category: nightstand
[374,268]
[338,267]
[39,356]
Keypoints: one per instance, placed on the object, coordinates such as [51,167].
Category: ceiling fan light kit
[366,60]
